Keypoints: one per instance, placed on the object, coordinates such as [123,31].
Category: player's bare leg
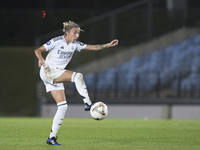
[66,76]
[77,78]
[58,95]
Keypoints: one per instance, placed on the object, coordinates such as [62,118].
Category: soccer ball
[99,111]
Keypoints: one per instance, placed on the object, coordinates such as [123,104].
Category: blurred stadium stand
[172,71]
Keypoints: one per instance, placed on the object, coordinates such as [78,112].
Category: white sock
[58,118]
[81,87]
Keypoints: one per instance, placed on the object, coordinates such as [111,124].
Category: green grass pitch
[109,134]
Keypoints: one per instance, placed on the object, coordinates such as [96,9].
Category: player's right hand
[41,63]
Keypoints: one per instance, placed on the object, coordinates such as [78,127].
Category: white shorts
[48,75]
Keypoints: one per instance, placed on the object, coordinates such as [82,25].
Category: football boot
[52,141]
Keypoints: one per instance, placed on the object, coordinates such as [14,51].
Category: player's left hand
[114,42]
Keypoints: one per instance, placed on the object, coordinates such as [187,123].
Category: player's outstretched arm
[102,46]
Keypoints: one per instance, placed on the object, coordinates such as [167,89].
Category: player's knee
[78,77]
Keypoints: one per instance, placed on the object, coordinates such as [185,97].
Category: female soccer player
[53,73]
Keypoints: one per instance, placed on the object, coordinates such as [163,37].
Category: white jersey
[60,53]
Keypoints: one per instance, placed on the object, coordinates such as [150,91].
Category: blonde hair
[67,26]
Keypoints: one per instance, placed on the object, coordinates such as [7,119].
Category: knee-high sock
[58,118]
[77,78]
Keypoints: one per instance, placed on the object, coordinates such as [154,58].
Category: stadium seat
[164,65]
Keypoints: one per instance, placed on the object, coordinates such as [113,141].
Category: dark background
[21,21]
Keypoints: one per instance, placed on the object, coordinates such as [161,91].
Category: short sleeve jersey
[60,53]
